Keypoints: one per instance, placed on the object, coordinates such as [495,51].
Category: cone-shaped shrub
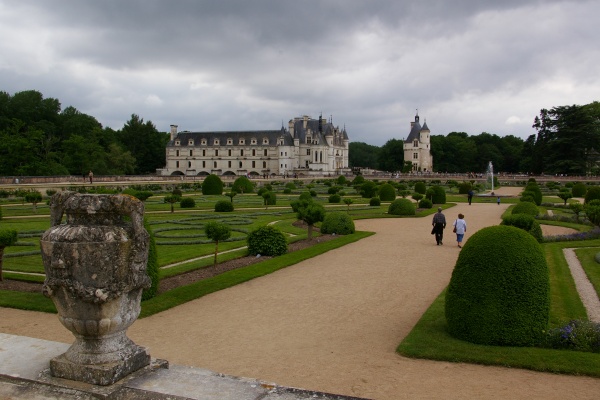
[439,195]
[420,187]
[499,290]
[337,222]
[402,207]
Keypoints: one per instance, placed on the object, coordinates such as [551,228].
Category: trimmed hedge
[335,198]
[499,293]
[525,207]
[267,241]
[243,185]
[187,202]
[593,193]
[420,187]
[537,192]
[387,192]
[579,190]
[526,222]
[401,207]
[425,203]
[223,206]
[337,222]
[439,195]
[375,202]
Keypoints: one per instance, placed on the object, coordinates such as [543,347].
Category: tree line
[567,142]
[38,138]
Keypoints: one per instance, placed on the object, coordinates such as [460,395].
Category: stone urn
[95,267]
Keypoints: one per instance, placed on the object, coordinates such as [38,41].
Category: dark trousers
[439,232]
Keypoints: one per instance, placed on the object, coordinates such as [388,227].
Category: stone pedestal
[95,267]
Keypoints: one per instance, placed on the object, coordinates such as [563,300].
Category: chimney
[173,131]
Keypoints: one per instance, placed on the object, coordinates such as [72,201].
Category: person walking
[91,176]
[439,224]
[460,227]
[498,200]
[470,196]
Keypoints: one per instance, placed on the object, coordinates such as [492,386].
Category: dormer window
[242,141]
[229,141]
[191,142]
[253,141]
[265,141]
[177,143]
[416,143]
[203,142]
[216,142]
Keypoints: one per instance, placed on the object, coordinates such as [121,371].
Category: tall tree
[391,156]
[363,155]
[144,143]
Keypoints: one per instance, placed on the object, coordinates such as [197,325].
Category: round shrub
[269,198]
[593,193]
[537,192]
[223,206]
[243,185]
[526,222]
[368,189]
[212,185]
[313,193]
[177,192]
[337,222]
[375,202]
[358,180]
[305,196]
[335,198]
[187,202]
[527,196]
[333,190]
[525,207]
[438,195]
[401,207]
[464,187]
[499,290]
[287,191]
[262,190]
[290,185]
[387,192]
[417,196]
[425,203]
[578,190]
[420,187]
[341,180]
[592,212]
[267,241]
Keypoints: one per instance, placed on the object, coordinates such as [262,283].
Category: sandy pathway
[333,323]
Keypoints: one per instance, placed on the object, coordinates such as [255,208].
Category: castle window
[265,141]
[240,164]
[416,143]
[176,164]
[215,164]
[264,164]
[229,141]
[415,156]
[191,142]
[203,142]
[191,153]
[253,141]
[242,141]
[308,152]
[203,153]
[253,164]
[177,143]
[229,164]
[203,164]
[253,152]
[265,151]
[216,142]
[229,152]
[176,153]
[216,152]
[242,152]
[189,164]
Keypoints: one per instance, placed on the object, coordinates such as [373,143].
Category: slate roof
[272,135]
[416,130]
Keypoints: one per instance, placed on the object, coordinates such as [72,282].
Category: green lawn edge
[228,279]
[429,338]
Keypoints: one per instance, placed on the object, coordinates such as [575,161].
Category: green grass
[26,301]
[590,266]
[430,339]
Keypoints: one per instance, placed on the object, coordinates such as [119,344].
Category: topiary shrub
[536,192]
[387,192]
[290,185]
[593,193]
[578,189]
[401,207]
[525,207]
[212,185]
[438,195]
[358,180]
[420,187]
[425,203]
[368,189]
[337,222]
[464,187]
[375,202]
[335,198]
[287,191]
[267,241]
[499,291]
[223,206]
[417,196]
[243,185]
[526,222]
[333,190]
[313,193]
[187,202]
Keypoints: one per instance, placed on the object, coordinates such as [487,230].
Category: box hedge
[525,207]
[499,290]
[401,207]
[337,222]
[212,184]
[267,241]
[387,192]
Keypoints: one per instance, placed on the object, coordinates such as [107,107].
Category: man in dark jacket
[439,224]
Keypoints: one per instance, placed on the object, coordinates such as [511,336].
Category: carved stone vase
[95,267]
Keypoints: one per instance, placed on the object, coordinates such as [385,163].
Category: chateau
[307,147]
[417,147]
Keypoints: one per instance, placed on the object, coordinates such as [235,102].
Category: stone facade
[417,147]
[307,147]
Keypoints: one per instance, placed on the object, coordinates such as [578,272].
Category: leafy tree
[172,199]
[8,237]
[368,189]
[565,195]
[269,198]
[231,195]
[310,212]
[363,155]
[391,156]
[33,198]
[577,209]
[592,211]
[212,185]
[145,144]
[348,202]
[217,231]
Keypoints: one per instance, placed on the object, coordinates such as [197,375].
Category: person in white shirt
[460,227]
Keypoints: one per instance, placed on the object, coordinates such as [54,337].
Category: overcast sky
[469,66]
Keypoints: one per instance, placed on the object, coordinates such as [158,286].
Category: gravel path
[332,323]
[586,290]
